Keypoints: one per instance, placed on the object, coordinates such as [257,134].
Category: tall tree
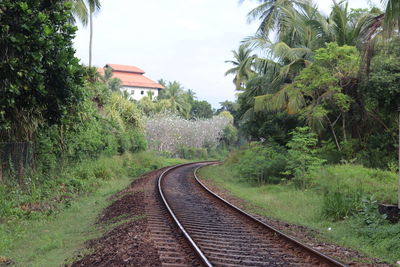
[94,6]
[40,77]
[243,61]
[392,15]
[84,10]
[271,13]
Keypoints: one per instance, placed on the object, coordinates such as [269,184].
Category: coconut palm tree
[79,10]
[94,6]
[84,10]
[243,62]
[271,12]
[392,15]
[178,99]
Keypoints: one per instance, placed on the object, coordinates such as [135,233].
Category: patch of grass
[380,184]
[305,207]
[50,240]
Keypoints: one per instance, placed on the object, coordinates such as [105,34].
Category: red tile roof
[136,80]
[131,76]
[125,68]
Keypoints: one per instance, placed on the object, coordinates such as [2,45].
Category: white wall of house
[138,93]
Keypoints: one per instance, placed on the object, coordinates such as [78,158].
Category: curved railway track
[222,234]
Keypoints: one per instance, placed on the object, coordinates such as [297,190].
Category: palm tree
[179,100]
[392,15]
[94,6]
[79,10]
[271,12]
[243,61]
[85,15]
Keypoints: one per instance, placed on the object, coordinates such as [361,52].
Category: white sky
[183,40]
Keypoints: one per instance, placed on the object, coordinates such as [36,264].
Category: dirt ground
[128,244]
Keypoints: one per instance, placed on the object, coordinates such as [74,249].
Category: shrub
[382,185]
[261,163]
[192,153]
[302,155]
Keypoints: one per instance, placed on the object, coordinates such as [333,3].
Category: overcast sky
[183,40]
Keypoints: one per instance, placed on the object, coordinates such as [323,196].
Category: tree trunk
[91,36]
[334,136]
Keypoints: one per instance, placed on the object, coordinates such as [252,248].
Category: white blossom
[168,132]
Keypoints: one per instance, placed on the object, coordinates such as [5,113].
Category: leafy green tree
[323,92]
[201,109]
[302,158]
[230,134]
[39,74]
[229,106]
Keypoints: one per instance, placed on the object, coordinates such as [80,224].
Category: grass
[305,207]
[49,241]
[49,237]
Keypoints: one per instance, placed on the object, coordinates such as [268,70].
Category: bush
[261,163]
[302,156]
[382,185]
[192,153]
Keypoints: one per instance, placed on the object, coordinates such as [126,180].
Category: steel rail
[201,255]
[323,257]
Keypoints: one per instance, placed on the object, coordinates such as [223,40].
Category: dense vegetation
[335,74]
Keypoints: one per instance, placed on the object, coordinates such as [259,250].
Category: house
[133,81]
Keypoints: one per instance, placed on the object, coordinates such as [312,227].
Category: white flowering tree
[168,132]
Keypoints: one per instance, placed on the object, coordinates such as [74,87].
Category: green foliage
[350,190]
[39,75]
[260,163]
[193,153]
[322,91]
[318,72]
[339,203]
[201,109]
[380,184]
[302,155]
[369,213]
[230,136]
[42,197]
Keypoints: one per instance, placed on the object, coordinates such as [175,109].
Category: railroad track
[222,234]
